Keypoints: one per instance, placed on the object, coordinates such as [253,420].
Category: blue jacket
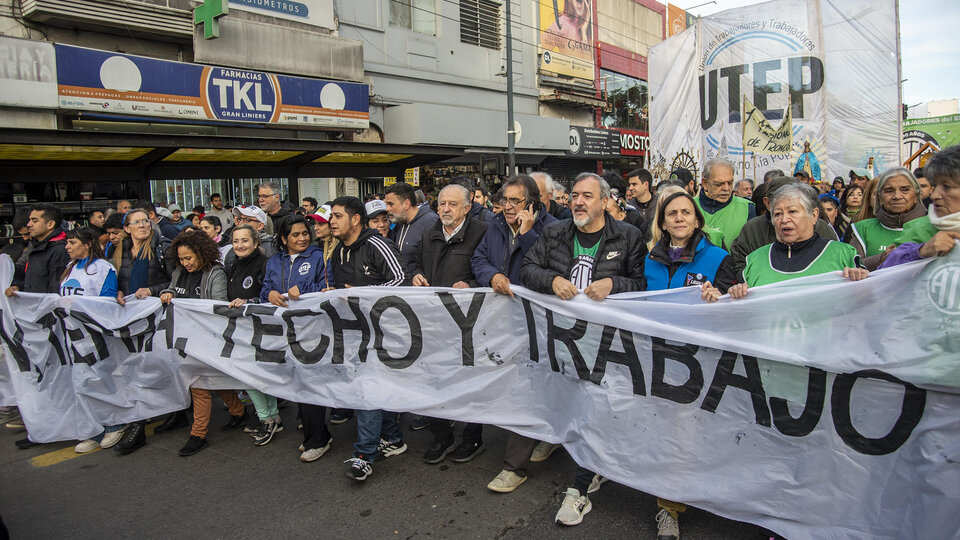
[307,272]
[708,263]
[495,255]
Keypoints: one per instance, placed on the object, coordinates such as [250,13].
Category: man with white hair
[722,211]
[545,183]
[443,260]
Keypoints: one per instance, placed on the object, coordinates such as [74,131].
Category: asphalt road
[236,490]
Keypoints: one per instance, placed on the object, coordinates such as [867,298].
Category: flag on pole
[760,137]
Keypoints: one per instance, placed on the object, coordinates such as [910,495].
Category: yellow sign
[389,181]
[566,37]
[412,176]
[676,20]
[759,136]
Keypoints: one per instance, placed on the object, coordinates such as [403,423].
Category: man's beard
[447,221]
[398,220]
[582,222]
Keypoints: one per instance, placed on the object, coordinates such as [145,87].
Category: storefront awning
[30,155]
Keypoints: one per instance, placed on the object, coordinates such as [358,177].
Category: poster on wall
[810,58]
[28,73]
[107,82]
[566,38]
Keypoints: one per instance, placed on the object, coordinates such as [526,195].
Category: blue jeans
[371,425]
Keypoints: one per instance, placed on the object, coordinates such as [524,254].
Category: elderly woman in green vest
[798,250]
[935,234]
[897,202]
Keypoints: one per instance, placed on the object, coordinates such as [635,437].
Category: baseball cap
[250,211]
[163,212]
[375,208]
[323,212]
[174,208]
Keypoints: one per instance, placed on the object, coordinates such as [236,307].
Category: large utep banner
[834,64]
[818,408]
[108,82]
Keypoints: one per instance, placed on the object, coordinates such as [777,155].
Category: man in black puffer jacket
[43,261]
[592,253]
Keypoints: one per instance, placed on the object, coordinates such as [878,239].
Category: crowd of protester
[607,235]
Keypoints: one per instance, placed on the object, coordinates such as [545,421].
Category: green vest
[919,230]
[836,256]
[729,220]
[874,236]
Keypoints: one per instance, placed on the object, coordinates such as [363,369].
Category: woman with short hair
[896,202]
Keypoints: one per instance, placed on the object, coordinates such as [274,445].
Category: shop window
[417,15]
[627,101]
[480,23]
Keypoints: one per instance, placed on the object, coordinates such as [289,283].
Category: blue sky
[929,45]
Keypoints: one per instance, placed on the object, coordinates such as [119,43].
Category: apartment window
[417,15]
[627,101]
[480,23]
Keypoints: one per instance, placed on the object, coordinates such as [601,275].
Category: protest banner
[834,65]
[760,137]
[815,407]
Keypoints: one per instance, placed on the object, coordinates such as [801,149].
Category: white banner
[835,64]
[818,408]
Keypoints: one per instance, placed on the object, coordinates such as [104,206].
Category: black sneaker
[467,451]
[264,433]
[25,443]
[419,422]
[438,451]
[341,416]
[236,422]
[134,436]
[194,445]
[252,424]
[358,469]
[173,421]
[388,449]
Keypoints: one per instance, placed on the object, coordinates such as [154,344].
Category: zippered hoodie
[307,272]
[370,260]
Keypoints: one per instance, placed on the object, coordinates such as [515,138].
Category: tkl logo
[245,96]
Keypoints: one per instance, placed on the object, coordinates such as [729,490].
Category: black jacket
[619,257]
[159,275]
[559,211]
[370,260]
[444,263]
[45,260]
[245,277]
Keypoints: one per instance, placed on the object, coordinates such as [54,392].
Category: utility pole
[511,133]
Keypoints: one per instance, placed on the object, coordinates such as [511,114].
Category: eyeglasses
[139,223]
[514,202]
[261,196]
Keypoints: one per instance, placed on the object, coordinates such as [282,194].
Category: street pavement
[233,489]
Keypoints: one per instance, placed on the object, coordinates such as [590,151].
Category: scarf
[949,222]
[896,221]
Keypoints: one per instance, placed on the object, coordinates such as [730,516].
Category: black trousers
[442,430]
[315,431]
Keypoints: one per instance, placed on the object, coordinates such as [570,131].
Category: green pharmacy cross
[207,14]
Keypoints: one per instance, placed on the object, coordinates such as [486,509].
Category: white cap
[375,207]
[250,211]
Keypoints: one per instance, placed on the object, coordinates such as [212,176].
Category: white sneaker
[573,508]
[543,451]
[110,439]
[314,454]
[506,481]
[86,446]
[596,482]
[667,526]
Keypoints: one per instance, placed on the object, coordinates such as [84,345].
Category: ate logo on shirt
[247,282]
[694,279]
[582,273]
[182,291]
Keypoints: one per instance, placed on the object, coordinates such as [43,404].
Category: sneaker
[341,416]
[596,483]
[134,437]
[194,445]
[359,469]
[16,423]
[667,526]
[26,443]
[467,451]
[506,481]
[389,449]
[88,445]
[543,451]
[438,451]
[173,421]
[236,421]
[253,424]
[419,422]
[110,439]
[313,454]
[8,414]
[264,433]
[573,508]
